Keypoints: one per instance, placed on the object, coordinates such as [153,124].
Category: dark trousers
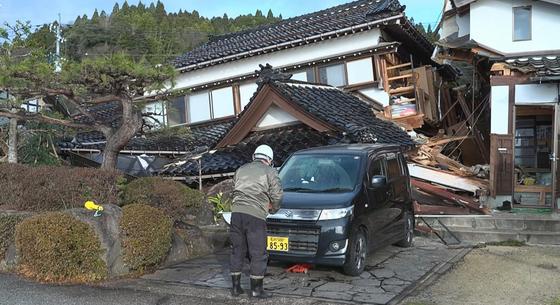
[248,235]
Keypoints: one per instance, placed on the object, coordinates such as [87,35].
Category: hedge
[146,236]
[8,224]
[57,247]
[52,188]
[174,198]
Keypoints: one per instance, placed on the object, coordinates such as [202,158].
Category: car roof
[358,149]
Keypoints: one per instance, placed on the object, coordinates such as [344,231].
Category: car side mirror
[378,181]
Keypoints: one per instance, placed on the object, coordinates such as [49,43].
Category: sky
[45,11]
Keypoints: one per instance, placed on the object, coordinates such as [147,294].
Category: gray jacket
[256,186]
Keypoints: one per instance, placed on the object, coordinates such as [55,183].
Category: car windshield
[320,173]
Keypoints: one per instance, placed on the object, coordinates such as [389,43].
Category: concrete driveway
[391,274]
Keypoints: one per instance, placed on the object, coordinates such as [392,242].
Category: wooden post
[12,141]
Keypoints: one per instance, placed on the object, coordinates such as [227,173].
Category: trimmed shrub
[8,224]
[56,247]
[146,236]
[174,198]
[53,188]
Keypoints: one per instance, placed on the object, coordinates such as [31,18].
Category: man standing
[258,192]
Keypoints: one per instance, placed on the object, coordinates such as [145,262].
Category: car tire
[408,240]
[357,253]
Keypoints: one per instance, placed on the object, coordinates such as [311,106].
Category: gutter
[289,43]
[138,152]
[188,178]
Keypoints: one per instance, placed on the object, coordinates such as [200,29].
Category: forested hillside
[148,31]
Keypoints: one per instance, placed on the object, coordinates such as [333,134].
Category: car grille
[302,239]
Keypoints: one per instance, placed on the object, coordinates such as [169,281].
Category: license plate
[274,243]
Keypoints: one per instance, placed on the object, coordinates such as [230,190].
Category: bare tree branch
[43,119]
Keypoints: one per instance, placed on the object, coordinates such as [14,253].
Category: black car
[340,203]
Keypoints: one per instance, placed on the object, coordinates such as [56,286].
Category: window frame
[530,7]
[373,72]
[337,63]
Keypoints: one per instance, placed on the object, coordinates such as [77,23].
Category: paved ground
[16,291]
[390,275]
[498,275]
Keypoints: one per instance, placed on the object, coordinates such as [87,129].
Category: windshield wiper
[335,190]
[298,189]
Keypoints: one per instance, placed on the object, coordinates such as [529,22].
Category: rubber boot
[257,290]
[236,287]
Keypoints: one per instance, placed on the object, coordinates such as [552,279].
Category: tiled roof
[344,111]
[353,118]
[542,66]
[284,141]
[201,135]
[290,32]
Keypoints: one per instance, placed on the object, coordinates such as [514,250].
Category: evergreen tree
[258,13]
[115,10]
[269,15]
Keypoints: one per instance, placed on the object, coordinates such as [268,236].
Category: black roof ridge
[284,33]
[278,23]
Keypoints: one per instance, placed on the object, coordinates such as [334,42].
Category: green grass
[507,243]
[540,211]
[556,301]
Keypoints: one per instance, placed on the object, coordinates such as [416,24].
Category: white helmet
[263,151]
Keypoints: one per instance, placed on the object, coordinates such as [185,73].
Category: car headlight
[328,214]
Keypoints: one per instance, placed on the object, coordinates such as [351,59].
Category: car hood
[302,200]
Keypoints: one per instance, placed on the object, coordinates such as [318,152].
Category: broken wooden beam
[471,185]
[408,64]
[424,209]
[461,200]
[401,90]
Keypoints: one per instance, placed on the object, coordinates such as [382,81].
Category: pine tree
[115,10]
[258,13]
[269,15]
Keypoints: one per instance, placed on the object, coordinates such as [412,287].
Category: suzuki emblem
[289,214]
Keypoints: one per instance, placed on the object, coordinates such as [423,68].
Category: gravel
[497,275]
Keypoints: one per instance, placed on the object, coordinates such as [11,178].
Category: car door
[378,202]
[399,195]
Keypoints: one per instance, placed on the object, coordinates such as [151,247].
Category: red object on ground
[299,268]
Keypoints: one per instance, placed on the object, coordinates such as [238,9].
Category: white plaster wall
[464,23]
[536,93]
[275,116]
[305,53]
[499,115]
[449,27]
[378,95]
[492,25]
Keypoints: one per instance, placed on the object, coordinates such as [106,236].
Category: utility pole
[57,64]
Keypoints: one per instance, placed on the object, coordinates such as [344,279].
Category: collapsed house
[290,115]
[366,51]
[509,46]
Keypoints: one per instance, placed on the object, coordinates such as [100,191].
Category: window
[333,75]
[176,111]
[522,23]
[306,76]
[377,168]
[199,107]
[321,173]
[157,117]
[360,71]
[222,102]
[246,91]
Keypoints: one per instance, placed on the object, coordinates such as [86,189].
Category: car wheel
[357,254]
[408,239]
